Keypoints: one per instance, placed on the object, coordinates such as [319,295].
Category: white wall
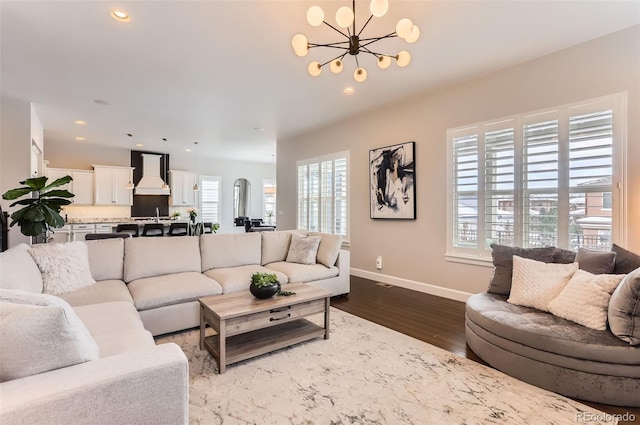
[414,251]
[81,156]
[15,151]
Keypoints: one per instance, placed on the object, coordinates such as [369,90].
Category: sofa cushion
[235,279]
[64,266]
[148,257]
[303,249]
[100,292]
[152,292]
[563,256]
[18,270]
[536,283]
[304,272]
[624,309]
[626,261]
[230,250]
[546,332]
[328,249]
[106,258]
[40,333]
[109,318]
[275,246]
[124,342]
[596,262]
[503,264]
[585,299]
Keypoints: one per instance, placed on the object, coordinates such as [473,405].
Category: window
[269,201]
[546,178]
[322,194]
[210,193]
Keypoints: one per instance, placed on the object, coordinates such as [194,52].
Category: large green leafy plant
[42,211]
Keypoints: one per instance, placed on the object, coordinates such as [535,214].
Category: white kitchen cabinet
[79,231]
[182,194]
[111,183]
[62,234]
[81,185]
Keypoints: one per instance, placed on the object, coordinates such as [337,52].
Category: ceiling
[223,73]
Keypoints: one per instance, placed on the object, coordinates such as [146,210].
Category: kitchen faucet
[157,215]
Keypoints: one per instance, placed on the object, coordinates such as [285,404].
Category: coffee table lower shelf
[255,343]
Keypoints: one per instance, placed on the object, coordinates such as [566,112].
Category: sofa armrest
[147,386]
[344,274]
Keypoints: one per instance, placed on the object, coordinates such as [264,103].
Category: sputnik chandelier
[354,44]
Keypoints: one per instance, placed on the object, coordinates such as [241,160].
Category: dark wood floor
[437,321]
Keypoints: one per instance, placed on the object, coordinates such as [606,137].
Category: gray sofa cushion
[596,262]
[148,257]
[304,272]
[624,309]
[230,250]
[100,292]
[626,261]
[503,264]
[546,332]
[158,291]
[106,258]
[235,279]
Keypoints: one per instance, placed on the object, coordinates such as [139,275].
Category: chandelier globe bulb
[360,75]
[404,27]
[414,35]
[314,69]
[336,66]
[300,45]
[379,8]
[403,59]
[344,16]
[384,62]
[315,16]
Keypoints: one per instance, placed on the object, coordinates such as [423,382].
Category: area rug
[365,374]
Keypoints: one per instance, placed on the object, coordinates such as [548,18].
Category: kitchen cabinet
[182,193]
[81,185]
[62,234]
[111,185]
[80,230]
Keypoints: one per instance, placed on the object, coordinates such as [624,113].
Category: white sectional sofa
[144,287]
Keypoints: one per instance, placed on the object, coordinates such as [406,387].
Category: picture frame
[392,182]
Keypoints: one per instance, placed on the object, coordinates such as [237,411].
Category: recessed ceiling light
[164,139]
[139,145]
[80,139]
[80,122]
[349,90]
[258,128]
[101,102]
[120,15]
[187,150]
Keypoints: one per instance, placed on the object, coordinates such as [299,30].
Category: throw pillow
[19,271]
[585,299]
[503,264]
[624,309]
[536,283]
[40,333]
[329,248]
[64,266]
[564,256]
[626,261]
[596,262]
[303,249]
[275,246]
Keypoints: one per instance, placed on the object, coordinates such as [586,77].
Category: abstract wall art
[393,182]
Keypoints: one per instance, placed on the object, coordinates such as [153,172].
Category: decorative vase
[264,292]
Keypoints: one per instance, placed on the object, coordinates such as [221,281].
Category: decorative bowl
[264,292]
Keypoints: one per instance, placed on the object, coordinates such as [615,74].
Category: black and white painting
[392,181]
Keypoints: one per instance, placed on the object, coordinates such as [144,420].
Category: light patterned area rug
[365,374]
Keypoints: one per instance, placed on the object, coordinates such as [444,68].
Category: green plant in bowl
[266,283]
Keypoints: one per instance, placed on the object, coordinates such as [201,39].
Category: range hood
[151,183]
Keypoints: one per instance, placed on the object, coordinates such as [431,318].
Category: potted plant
[266,285]
[41,210]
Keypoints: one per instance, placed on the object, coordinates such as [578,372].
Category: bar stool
[178,229]
[153,229]
[130,228]
[208,227]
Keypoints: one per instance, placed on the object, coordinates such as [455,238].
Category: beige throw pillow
[19,271]
[40,333]
[303,249]
[64,266]
[536,283]
[329,248]
[585,299]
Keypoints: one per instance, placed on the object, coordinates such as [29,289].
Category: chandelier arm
[357,63]
[333,47]
[337,57]
[376,54]
[365,25]
[328,44]
[336,29]
[374,39]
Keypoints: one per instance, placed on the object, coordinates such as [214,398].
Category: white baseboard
[439,291]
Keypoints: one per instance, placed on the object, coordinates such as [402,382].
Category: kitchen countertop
[116,221]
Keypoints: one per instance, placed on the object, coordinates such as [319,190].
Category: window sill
[468,259]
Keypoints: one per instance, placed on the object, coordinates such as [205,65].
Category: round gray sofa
[553,353]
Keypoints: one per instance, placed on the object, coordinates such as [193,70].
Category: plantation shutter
[465,199]
[210,192]
[340,195]
[499,163]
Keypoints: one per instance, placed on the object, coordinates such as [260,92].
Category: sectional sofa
[115,373]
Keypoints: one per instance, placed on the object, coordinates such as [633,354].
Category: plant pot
[264,292]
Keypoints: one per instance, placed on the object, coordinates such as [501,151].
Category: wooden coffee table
[247,327]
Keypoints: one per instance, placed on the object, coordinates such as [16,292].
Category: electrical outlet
[379,262]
